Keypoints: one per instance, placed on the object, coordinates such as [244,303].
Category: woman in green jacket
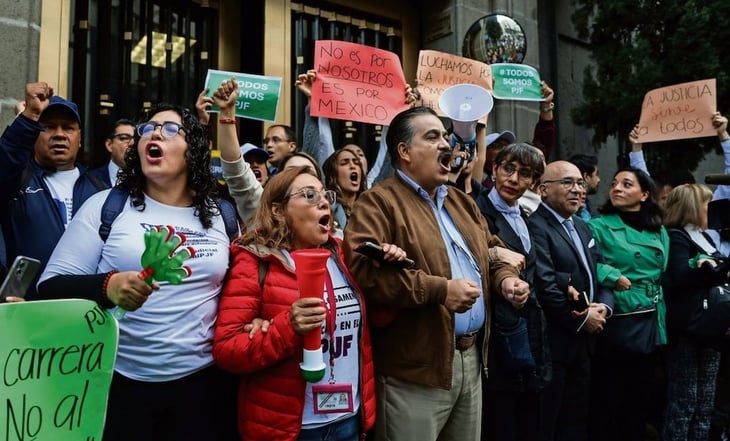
[635,247]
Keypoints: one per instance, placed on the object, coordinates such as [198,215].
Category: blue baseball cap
[57,102]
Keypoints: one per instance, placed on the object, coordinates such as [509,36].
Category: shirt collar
[441,190]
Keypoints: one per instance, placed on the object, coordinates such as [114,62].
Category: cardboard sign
[517,82]
[357,83]
[437,71]
[57,359]
[258,96]
[680,111]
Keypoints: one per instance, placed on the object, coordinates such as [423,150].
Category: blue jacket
[32,224]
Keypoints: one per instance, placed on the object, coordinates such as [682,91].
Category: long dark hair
[200,182]
[330,178]
[650,213]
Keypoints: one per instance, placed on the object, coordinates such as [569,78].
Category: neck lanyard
[331,322]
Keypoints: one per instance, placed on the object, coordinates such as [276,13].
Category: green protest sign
[57,359]
[516,82]
[258,96]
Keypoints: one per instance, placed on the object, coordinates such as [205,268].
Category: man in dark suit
[565,282]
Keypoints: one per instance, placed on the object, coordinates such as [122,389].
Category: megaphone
[465,105]
[310,266]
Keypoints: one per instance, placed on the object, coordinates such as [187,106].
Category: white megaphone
[465,105]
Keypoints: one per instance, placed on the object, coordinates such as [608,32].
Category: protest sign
[517,82]
[357,83]
[437,71]
[57,360]
[678,112]
[258,96]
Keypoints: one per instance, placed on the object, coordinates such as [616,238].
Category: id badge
[332,398]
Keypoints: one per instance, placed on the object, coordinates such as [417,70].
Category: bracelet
[105,284]
[227,120]
[548,108]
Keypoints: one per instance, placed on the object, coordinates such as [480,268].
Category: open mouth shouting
[324,223]
[154,153]
[445,161]
[355,179]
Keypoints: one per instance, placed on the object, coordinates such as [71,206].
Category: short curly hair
[200,182]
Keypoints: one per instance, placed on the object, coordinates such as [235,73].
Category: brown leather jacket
[412,331]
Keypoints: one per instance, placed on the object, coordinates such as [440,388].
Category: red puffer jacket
[271,388]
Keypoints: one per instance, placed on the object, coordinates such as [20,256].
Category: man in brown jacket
[425,319]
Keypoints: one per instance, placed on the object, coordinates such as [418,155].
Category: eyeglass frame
[502,164]
[275,139]
[564,181]
[329,195]
[121,137]
[138,128]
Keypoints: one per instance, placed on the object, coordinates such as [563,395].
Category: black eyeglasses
[123,137]
[568,183]
[523,173]
[313,196]
[168,129]
[274,139]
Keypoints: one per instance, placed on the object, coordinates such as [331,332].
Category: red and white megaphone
[465,105]
[311,265]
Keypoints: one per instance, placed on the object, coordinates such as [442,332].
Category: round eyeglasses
[168,129]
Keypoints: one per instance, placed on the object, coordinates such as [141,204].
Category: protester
[280,140]
[257,159]
[41,185]
[693,363]
[426,317]
[298,159]
[588,166]
[344,175]
[566,274]
[519,360]
[165,385]
[635,247]
[117,141]
[275,402]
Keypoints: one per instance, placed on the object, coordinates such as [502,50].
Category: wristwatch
[548,108]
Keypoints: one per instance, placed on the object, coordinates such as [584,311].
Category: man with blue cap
[41,186]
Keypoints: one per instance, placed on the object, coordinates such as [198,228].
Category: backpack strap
[113,205]
[230,218]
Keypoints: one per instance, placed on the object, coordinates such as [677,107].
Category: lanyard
[331,322]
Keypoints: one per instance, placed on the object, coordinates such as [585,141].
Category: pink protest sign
[678,112]
[357,83]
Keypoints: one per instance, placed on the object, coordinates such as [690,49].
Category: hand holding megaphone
[465,105]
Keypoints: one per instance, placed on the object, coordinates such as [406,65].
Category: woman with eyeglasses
[275,402]
[518,363]
[165,383]
[635,246]
[345,176]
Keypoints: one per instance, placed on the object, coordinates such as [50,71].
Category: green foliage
[639,45]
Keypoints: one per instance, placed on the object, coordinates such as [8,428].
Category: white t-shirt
[346,349]
[171,335]
[61,186]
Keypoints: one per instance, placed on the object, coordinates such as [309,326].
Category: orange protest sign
[357,83]
[438,70]
[678,112]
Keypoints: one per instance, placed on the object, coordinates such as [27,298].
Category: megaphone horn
[465,104]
